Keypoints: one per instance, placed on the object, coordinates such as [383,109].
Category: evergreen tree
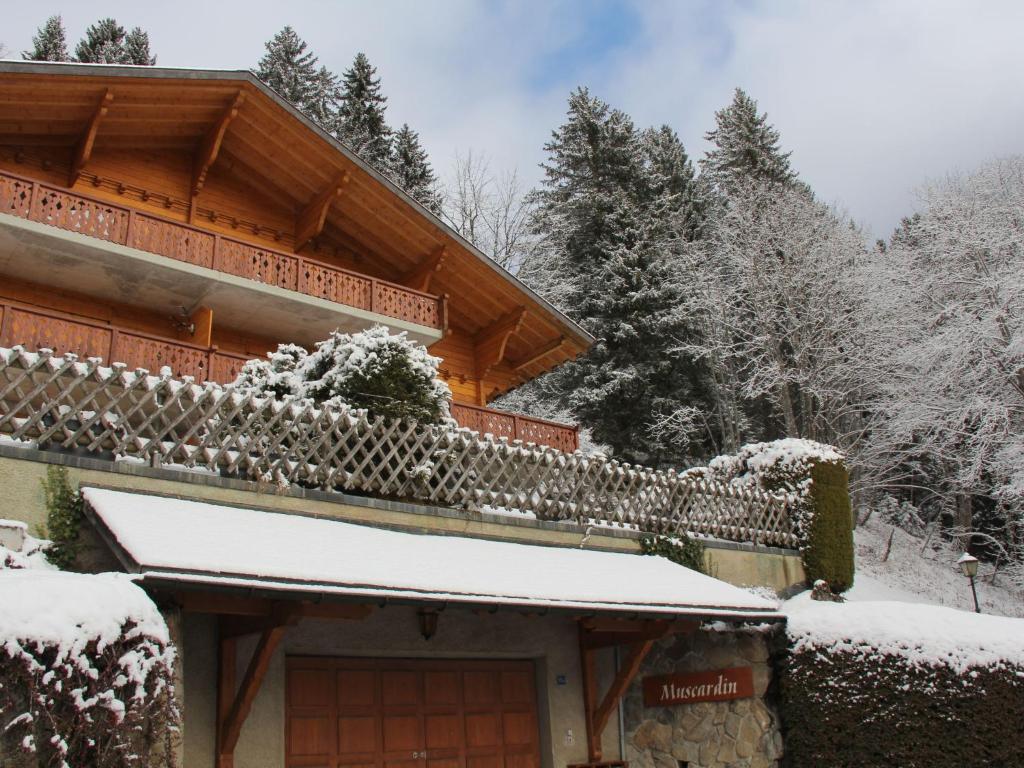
[671,181]
[322,103]
[745,147]
[602,211]
[361,122]
[410,168]
[136,48]
[49,43]
[290,70]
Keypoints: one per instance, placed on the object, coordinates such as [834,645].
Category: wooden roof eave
[543,323]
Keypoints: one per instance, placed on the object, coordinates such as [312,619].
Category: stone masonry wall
[743,733]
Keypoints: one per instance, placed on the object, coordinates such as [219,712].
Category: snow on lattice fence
[61,401]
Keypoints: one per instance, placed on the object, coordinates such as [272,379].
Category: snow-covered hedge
[816,475]
[881,684]
[385,373]
[86,672]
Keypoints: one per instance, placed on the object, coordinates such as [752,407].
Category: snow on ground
[916,573]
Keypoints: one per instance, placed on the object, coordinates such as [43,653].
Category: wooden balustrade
[515,426]
[34,328]
[75,212]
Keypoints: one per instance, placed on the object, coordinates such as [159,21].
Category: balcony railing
[514,426]
[96,218]
[35,328]
[65,403]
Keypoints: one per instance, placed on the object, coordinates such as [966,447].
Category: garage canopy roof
[202,544]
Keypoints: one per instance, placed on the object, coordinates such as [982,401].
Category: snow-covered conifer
[410,168]
[745,146]
[136,48]
[49,43]
[107,42]
[288,68]
[361,123]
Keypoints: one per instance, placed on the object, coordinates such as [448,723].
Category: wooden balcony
[96,218]
[515,426]
[35,328]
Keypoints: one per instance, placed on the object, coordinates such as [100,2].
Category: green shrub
[861,709]
[679,549]
[828,554]
[63,518]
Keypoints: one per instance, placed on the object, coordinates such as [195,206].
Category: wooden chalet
[346,592]
[195,219]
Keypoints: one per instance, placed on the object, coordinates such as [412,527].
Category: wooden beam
[226,605]
[202,322]
[310,221]
[250,686]
[209,147]
[226,657]
[540,354]
[419,277]
[623,677]
[83,150]
[489,344]
[602,632]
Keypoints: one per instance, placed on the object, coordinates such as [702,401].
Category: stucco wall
[550,641]
[21,473]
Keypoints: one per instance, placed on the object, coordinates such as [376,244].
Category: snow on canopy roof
[199,543]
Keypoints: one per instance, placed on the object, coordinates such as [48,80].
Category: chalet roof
[181,542]
[283,151]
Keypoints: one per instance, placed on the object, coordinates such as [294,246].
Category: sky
[872,97]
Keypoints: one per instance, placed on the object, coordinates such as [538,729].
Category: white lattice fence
[115,412]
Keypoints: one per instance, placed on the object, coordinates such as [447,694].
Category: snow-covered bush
[384,373]
[86,673]
[816,476]
[881,684]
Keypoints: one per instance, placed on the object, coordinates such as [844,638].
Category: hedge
[864,710]
[828,551]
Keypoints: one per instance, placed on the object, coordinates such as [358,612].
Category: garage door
[385,713]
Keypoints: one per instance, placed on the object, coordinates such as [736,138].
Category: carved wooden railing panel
[15,196]
[148,233]
[395,301]
[153,354]
[118,224]
[79,214]
[516,426]
[224,367]
[260,264]
[335,285]
[38,330]
[62,402]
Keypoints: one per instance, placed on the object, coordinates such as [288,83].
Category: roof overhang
[550,323]
[178,543]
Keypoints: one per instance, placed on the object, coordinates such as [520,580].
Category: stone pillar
[743,733]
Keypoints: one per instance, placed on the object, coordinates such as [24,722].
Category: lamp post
[969,568]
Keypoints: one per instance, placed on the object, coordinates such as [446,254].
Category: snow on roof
[202,543]
[66,611]
[926,635]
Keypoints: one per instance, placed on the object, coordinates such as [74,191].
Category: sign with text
[716,685]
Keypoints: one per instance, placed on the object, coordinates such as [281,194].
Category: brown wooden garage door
[385,713]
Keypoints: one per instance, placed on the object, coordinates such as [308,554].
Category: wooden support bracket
[419,277]
[310,221]
[489,344]
[231,717]
[209,147]
[639,637]
[83,150]
[539,354]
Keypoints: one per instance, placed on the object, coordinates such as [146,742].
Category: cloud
[872,97]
